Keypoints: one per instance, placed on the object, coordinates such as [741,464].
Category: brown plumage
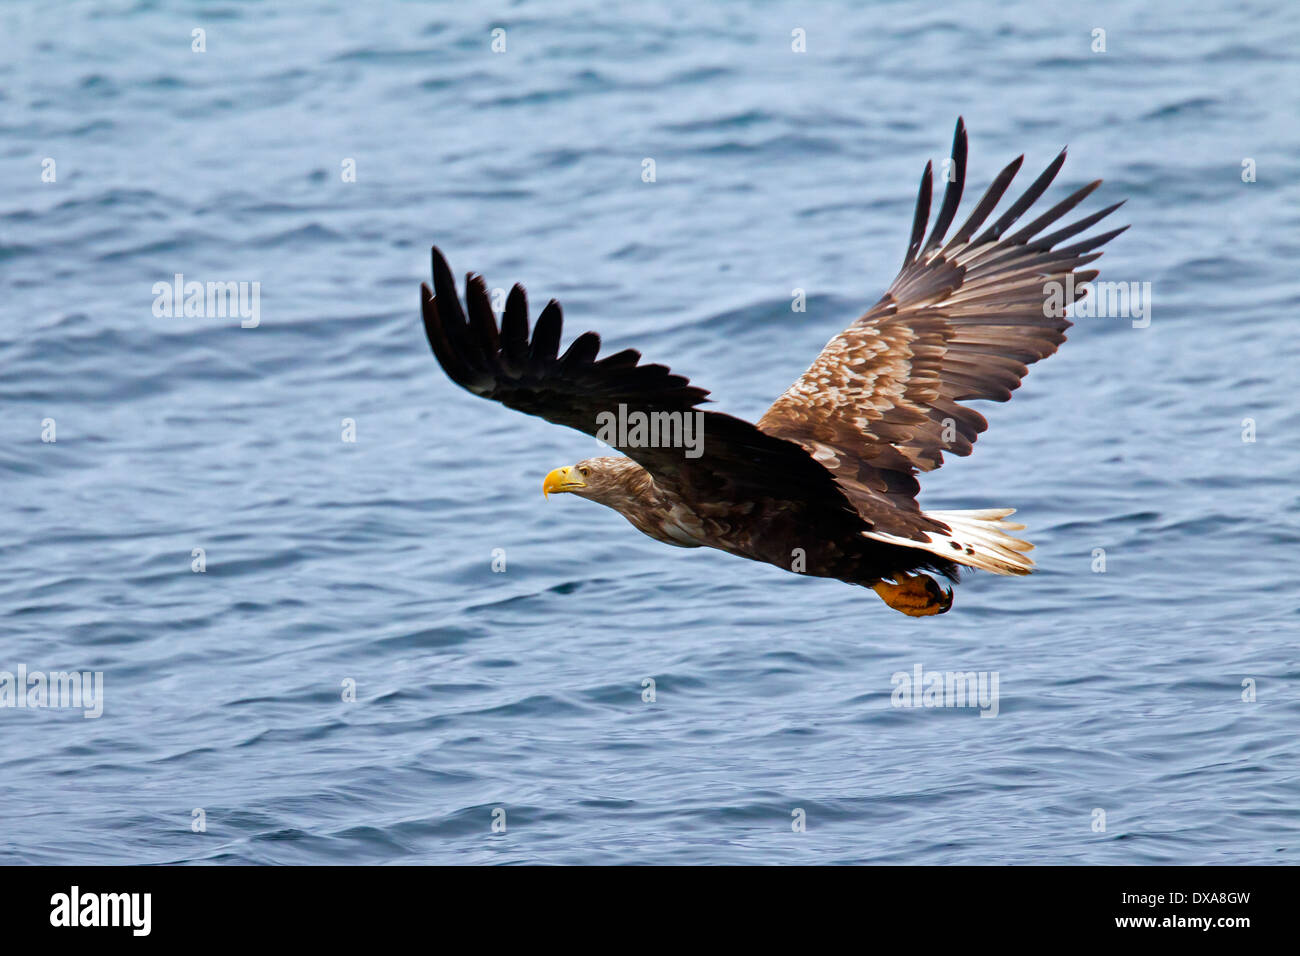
[825,482]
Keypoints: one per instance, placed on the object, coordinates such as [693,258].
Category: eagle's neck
[653,509]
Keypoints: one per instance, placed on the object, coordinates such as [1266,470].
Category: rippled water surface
[330,561]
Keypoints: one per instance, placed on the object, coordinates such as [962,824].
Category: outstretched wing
[738,463]
[963,320]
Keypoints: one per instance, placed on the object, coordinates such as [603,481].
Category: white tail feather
[976,539]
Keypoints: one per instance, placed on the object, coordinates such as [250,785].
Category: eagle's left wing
[739,463]
[963,320]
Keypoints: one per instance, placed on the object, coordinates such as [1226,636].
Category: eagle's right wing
[963,320]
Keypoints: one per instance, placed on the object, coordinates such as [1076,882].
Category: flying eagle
[825,482]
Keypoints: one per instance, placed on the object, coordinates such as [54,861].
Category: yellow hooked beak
[562,479]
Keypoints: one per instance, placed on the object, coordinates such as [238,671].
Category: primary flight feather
[825,482]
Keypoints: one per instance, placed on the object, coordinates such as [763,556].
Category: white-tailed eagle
[825,482]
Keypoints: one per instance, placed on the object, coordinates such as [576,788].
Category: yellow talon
[914,595]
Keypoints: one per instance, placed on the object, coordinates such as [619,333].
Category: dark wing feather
[963,320]
[739,463]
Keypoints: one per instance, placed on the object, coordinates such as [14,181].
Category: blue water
[330,561]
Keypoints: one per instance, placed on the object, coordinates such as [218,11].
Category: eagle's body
[761,529]
[824,483]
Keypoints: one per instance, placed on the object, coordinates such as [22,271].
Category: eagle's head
[601,479]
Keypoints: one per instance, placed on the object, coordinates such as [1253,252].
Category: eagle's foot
[916,595]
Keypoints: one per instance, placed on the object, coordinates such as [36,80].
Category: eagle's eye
[583,470]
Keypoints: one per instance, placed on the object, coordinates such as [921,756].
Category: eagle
[825,482]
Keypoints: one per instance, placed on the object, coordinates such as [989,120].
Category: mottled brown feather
[961,321]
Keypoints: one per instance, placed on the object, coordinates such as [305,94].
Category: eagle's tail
[977,539]
[982,541]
